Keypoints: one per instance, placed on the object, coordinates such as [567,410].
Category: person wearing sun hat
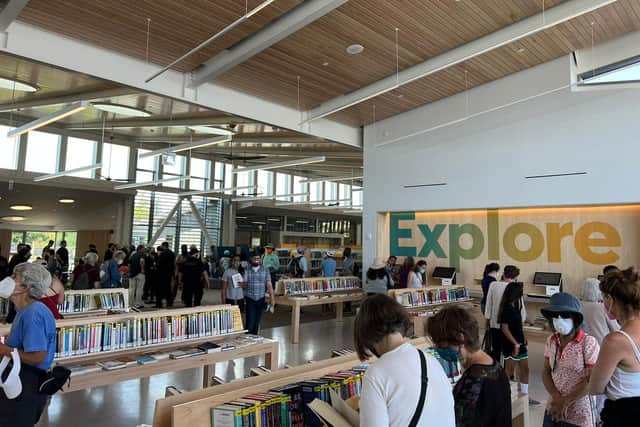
[378,280]
[329,265]
[271,261]
[569,357]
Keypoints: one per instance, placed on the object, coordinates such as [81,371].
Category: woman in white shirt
[405,386]
[617,371]
[417,276]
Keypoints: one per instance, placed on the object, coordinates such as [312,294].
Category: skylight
[621,72]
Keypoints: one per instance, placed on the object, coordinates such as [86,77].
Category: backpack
[52,381]
[105,276]
[295,269]
[82,281]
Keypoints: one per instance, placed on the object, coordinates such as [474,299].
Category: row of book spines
[260,410]
[418,296]
[82,302]
[320,285]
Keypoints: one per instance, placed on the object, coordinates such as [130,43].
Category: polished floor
[131,403]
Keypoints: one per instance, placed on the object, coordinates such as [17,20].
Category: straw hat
[378,263]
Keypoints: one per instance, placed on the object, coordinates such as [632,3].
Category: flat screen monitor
[547,279]
[444,273]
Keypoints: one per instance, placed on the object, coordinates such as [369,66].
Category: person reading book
[482,395]
[405,386]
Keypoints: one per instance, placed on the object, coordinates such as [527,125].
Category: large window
[356,197]
[218,176]
[300,188]
[228,175]
[283,185]
[265,183]
[174,170]
[115,161]
[80,152]
[39,239]
[9,149]
[147,167]
[245,179]
[42,152]
[315,191]
[199,171]
[344,194]
[330,191]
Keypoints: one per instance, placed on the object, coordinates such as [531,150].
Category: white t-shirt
[391,389]
[232,293]
[415,280]
[494,299]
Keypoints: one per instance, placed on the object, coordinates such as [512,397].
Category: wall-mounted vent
[554,175]
[436,184]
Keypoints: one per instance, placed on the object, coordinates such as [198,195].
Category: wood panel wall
[100,238]
[5,243]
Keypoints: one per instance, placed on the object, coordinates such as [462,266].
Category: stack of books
[420,297]
[302,286]
[134,332]
[289,405]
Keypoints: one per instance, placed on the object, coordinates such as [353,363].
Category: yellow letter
[555,233]
[509,242]
[584,242]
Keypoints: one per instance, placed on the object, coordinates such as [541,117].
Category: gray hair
[35,277]
[591,290]
[91,258]
[119,254]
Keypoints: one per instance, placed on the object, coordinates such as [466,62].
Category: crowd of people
[591,360]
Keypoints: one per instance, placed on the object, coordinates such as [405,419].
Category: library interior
[286,213]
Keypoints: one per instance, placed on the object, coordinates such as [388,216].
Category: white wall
[484,160]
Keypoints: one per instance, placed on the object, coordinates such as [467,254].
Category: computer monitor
[547,279]
[447,275]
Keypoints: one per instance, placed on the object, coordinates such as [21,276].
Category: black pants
[25,410]
[254,314]
[621,412]
[239,303]
[192,294]
[164,291]
[496,344]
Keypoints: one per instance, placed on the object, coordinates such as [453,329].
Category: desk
[295,304]
[101,378]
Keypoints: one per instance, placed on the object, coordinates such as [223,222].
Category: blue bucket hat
[563,302]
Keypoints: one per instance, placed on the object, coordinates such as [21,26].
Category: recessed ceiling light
[521,49]
[355,49]
[400,95]
[302,222]
[123,110]
[11,84]
[21,207]
[13,218]
[324,64]
[273,219]
[66,200]
[258,222]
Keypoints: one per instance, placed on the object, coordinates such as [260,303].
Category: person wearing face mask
[258,283]
[232,294]
[405,386]
[23,255]
[417,277]
[617,371]
[569,357]
[111,277]
[482,395]
[33,334]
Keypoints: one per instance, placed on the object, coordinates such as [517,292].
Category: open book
[338,414]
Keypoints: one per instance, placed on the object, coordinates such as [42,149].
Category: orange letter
[584,242]
[555,233]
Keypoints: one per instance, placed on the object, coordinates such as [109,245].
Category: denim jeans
[548,422]
[254,314]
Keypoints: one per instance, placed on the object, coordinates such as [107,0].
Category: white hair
[119,254]
[591,290]
[91,258]
[35,277]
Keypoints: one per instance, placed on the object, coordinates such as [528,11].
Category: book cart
[194,409]
[298,293]
[424,302]
[85,342]
[94,301]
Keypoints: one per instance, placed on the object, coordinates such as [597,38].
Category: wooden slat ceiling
[176,26]
[317,52]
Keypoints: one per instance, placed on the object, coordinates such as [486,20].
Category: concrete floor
[131,403]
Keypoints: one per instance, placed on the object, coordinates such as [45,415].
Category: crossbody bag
[424,380]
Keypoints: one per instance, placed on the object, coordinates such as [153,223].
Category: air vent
[436,184]
[554,175]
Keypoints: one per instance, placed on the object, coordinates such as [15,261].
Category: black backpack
[52,381]
[82,282]
[295,269]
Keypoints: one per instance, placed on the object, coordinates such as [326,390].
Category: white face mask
[7,286]
[423,270]
[119,261]
[563,326]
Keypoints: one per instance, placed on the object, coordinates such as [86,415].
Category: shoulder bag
[423,390]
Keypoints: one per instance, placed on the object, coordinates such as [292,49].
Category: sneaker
[533,402]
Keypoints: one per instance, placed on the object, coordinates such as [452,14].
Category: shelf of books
[90,338]
[323,393]
[317,285]
[4,308]
[92,301]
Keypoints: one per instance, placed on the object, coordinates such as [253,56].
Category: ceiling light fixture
[148,183]
[521,50]
[13,218]
[67,172]
[273,219]
[187,146]
[251,199]
[258,222]
[208,41]
[302,222]
[122,110]
[12,84]
[66,200]
[355,49]
[210,130]
[331,179]
[241,217]
[305,161]
[21,207]
[49,118]
[221,190]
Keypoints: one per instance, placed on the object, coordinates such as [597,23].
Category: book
[328,414]
[145,360]
[225,415]
[186,352]
[128,361]
[111,365]
[209,347]
[84,369]
[237,280]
